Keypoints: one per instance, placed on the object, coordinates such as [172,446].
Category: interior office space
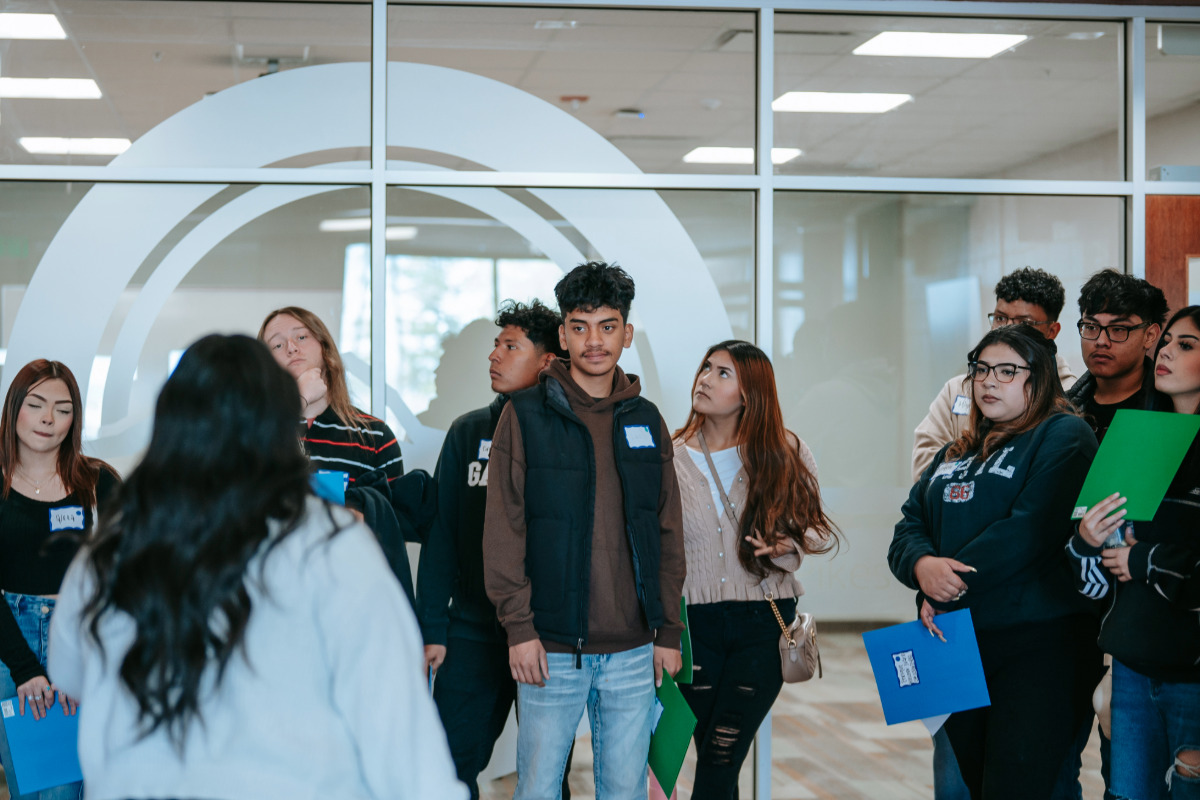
[818,177]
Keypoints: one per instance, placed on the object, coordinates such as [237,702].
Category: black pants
[735,648]
[474,691]
[1040,688]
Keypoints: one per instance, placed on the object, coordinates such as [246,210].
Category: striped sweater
[332,445]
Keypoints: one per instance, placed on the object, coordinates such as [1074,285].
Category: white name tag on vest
[962,405]
[639,436]
[66,518]
[485,449]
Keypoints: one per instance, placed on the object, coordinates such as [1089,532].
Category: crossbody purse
[799,656]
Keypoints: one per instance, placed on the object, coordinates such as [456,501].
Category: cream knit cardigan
[714,573]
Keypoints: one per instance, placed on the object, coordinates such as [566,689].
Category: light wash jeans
[1151,722]
[33,618]
[617,689]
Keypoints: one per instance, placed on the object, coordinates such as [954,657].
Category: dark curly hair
[539,321]
[1034,286]
[1112,292]
[595,285]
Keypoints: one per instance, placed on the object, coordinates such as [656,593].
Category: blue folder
[43,751]
[330,485]
[920,676]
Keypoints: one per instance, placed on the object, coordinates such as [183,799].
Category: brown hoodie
[615,619]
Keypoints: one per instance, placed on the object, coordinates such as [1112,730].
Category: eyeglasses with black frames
[1005,373]
[1116,333]
[999,320]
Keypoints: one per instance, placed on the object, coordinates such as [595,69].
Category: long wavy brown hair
[783,499]
[335,370]
[1044,395]
[78,473]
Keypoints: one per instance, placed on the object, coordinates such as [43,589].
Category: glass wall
[173,168]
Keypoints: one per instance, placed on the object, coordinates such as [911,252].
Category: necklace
[37,485]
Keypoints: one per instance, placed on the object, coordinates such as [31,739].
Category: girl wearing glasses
[1151,572]
[983,529]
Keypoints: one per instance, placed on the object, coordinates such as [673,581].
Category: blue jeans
[1151,722]
[617,689]
[33,618]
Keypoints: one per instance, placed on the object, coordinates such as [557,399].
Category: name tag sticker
[66,518]
[906,668]
[962,405]
[485,449]
[639,436]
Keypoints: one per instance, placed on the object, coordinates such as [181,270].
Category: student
[984,529]
[1151,576]
[585,568]
[464,643]
[49,492]
[228,634]
[1121,318]
[1025,296]
[740,558]
[338,437]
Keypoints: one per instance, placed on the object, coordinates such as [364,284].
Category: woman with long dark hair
[229,635]
[1150,571]
[983,529]
[740,555]
[48,496]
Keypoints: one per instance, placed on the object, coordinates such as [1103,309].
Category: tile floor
[829,741]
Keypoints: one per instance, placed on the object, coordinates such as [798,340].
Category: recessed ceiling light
[1084,36]
[30,26]
[555,24]
[939,45]
[393,233]
[737,155]
[50,88]
[839,102]
[58,146]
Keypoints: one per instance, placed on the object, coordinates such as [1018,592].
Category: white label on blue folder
[66,518]
[6,707]
[906,668]
[639,436]
[485,449]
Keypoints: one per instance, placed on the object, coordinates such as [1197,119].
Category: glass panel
[1047,104]
[648,87]
[141,69]
[1172,114]
[878,298]
[164,266]
[455,254]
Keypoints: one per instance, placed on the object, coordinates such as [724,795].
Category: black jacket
[451,600]
[559,453]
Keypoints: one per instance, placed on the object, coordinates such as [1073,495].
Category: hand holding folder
[43,751]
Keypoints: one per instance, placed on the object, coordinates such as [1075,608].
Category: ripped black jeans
[735,648]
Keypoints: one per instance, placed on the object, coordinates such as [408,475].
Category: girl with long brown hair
[741,553]
[48,491]
[984,529]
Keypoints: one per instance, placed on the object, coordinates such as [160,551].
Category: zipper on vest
[579,654]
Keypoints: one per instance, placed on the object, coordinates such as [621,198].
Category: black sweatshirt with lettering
[1009,517]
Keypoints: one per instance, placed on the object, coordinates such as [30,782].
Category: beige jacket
[710,540]
[948,416]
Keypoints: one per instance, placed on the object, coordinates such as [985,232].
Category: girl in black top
[1152,580]
[984,529]
[48,492]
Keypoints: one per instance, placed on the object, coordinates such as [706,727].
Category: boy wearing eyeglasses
[1121,318]
[1025,296]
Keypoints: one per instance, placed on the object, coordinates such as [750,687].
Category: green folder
[669,742]
[685,645]
[1139,457]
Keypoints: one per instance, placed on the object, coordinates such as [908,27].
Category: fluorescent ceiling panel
[57,146]
[737,155]
[50,88]
[839,102]
[30,26]
[939,45]
[393,233]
